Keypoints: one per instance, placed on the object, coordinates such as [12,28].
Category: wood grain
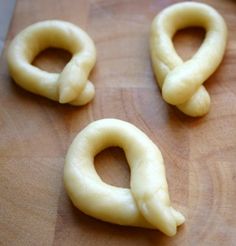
[35,132]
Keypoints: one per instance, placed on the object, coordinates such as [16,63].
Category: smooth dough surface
[146,203]
[69,86]
[181,82]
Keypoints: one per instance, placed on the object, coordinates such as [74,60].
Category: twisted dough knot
[71,85]
[146,203]
[181,82]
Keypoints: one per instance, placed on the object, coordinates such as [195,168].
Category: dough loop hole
[188,40]
[112,167]
[52,60]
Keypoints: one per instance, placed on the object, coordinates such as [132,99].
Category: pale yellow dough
[146,203]
[181,82]
[69,86]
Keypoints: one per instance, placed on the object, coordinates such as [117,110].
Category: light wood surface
[35,132]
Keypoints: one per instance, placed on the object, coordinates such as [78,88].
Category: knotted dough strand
[72,84]
[146,203]
[181,82]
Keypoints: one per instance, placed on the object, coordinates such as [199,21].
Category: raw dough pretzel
[181,82]
[146,204]
[71,85]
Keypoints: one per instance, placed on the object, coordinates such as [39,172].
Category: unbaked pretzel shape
[146,203]
[181,82]
[71,85]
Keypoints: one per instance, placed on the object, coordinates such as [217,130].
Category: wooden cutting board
[35,132]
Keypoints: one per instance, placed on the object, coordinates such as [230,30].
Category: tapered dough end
[160,215]
[179,218]
[198,105]
[85,96]
[174,93]
[66,94]
[72,80]
[181,83]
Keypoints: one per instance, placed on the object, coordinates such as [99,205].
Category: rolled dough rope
[69,86]
[146,203]
[181,82]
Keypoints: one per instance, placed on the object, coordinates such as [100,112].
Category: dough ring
[69,86]
[181,82]
[146,204]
